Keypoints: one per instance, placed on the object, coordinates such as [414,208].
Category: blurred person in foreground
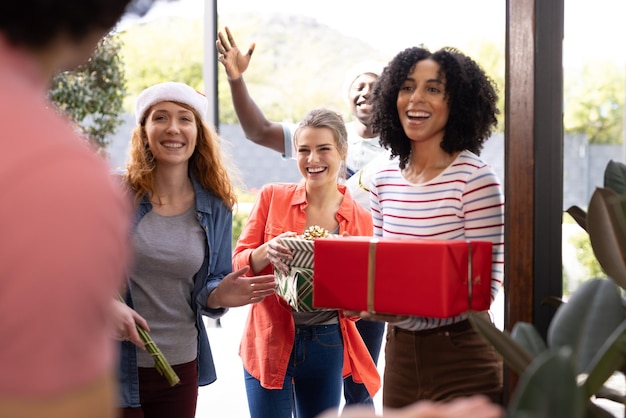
[64,223]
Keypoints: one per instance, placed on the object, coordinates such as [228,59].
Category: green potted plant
[586,339]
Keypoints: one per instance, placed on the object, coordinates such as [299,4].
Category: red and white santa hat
[170,92]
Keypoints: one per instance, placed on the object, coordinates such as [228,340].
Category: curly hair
[34,23]
[471,94]
[209,163]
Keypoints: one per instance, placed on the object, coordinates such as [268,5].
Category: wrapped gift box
[420,278]
[302,251]
[297,286]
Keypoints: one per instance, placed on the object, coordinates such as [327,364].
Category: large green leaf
[587,320]
[513,354]
[579,215]
[610,358]
[615,177]
[548,388]
[606,224]
[528,337]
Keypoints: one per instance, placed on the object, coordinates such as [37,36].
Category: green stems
[160,362]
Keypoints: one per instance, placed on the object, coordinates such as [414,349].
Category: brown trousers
[439,365]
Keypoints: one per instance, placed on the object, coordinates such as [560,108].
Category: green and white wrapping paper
[297,286]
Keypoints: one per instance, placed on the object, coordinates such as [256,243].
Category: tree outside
[92,95]
[289,75]
[166,49]
[594,102]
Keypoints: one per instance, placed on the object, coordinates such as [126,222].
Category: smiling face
[318,156]
[172,133]
[358,95]
[422,104]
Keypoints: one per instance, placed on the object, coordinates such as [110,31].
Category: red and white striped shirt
[464,202]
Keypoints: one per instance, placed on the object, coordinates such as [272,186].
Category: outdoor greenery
[287,76]
[290,74]
[584,254]
[245,199]
[586,340]
[239,220]
[594,102]
[162,50]
[92,95]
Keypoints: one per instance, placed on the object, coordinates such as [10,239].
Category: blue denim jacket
[216,221]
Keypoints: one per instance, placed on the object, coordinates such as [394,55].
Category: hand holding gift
[278,254]
[294,268]
[369,316]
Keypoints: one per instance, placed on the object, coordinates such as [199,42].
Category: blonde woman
[295,362]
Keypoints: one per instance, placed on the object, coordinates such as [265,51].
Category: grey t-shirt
[169,251]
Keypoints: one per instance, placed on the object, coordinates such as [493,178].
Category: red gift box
[405,277]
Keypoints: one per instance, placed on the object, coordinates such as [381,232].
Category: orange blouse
[270,330]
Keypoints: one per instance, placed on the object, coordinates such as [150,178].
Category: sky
[598,28]
[392,25]
[594,30]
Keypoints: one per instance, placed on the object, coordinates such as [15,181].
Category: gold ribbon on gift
[371,274]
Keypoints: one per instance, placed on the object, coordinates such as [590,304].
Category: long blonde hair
[210,164]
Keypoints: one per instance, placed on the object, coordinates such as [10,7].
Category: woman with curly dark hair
[470,94]
[434,111]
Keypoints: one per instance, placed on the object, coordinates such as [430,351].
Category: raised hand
[230,56]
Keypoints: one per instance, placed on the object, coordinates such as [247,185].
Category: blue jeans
[372,333]
[313,380]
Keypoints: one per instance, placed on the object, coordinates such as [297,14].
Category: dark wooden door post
[533,162]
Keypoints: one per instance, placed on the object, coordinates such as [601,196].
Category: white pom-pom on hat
[170,91]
